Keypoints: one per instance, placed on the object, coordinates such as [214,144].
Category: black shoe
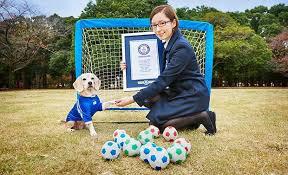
[194,126]
[209,133]
[212,116]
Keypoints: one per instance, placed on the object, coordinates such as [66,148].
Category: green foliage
[194,14]
[59,63]
[266,22]
[61,57]
[259,9]
[270,30]
[219,19]
[185,13]
[283,18]
[120,8]
[240,18]
[278,9]
[269,25]
[241,52]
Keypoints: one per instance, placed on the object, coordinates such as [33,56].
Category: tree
[280,11]
[279,45]
[240,55]
[195,13]
[219,19]
[240,17]
[254,16]
[259,9]
[61,62]
[59,65]
[268,23]
[283,18]
[185,13]
[21,37]
[120,8]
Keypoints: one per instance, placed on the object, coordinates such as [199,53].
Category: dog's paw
[107,104]
[93,134]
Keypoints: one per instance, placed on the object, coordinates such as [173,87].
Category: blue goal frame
[142,23]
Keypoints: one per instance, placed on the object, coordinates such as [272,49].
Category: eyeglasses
[160,24]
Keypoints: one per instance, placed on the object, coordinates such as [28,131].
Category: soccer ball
[145,136]
[146,150]
[154,130]
[177,153]
[118,132]
[159,158]
[170,133]
[185,143]
[121,138]
[131,147]
[110,150]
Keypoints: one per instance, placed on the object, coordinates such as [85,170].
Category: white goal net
[98,50]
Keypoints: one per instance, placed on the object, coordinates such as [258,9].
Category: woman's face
[162,26]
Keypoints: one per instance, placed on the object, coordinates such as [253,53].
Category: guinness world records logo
[143,49]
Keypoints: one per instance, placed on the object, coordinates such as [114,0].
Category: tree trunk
[72,78]
[44,80]
[11,81]
[27,80]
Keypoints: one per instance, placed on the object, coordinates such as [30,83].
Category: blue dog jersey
[84,109]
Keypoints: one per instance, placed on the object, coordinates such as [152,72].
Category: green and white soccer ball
[185,143]
[110,150]
[146,150]
[177,153]
[131,147]
[145,137]
[121,138]
[159,158]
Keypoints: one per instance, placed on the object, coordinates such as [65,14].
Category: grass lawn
[252,136]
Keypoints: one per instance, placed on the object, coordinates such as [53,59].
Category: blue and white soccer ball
[117,132]
[131,147]
[177,153]
[110,150]
[146,150]
[159,158]
[185,143]
[145,136]
[121,138]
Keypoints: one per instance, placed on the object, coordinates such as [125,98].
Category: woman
[179,96]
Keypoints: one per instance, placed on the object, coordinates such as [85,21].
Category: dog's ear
[97,83]
[78,86]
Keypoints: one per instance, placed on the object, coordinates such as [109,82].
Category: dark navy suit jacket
[181,86]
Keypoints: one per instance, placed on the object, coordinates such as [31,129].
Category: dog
[88,103]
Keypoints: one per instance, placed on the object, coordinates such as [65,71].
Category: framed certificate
[142,53]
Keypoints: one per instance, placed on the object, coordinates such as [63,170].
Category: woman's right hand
[122,65]
[124,101]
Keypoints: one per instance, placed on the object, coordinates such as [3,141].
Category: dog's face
[87,83]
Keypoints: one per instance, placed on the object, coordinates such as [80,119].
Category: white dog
[87,104]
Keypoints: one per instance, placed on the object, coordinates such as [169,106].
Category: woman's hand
[122,66]
[124,101]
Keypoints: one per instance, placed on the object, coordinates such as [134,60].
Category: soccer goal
[98,50]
